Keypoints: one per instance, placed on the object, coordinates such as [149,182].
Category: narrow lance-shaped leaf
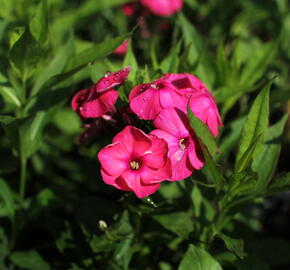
[130,60]
[209,148]
[198,259]
[255,124]
[265,164]
[234,245]
[39,24]
[85,57]
[25,55]
[7,198]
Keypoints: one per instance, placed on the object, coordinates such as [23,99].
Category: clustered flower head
[139,162]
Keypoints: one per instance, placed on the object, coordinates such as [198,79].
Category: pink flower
[201,103]
[163,7]
[135,162]
[122,49]
[147,100]
[129,9]
[96,100]
[174,91]
[184,150]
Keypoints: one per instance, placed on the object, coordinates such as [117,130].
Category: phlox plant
[144,135]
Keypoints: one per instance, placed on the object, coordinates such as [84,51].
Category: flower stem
[22,184]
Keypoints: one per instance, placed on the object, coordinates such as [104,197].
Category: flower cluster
[139,162]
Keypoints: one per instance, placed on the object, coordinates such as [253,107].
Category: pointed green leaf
[279,184]
[234,245]
[130,60]
[182,225]
[10,96]
[7,197]
[25,55]
[245,161]
[39,23]
[55,66]
[255,124]
[203,133]
[198,259]
[265,164]
[84,58]
[30,260]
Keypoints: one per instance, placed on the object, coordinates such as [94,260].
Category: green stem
[22,184]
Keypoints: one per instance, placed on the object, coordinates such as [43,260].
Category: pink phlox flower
[98,99]
[201,103]
[122,49]
[147,100]
[184,150]
[135,162]
[163,7]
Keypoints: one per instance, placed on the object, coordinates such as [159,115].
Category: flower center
[134,165]
[182,143]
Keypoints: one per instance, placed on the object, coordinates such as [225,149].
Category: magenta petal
[163,7]
[195,156]
[172,121]
[151,175]
[147,104]
[169,98]
[181,167]
[133,181]
[114,159]
[134,139]
[112,79]
[99,104]
[114,181]
[156,156]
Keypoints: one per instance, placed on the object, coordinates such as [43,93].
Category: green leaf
[86,57]
[182,225]
[25,134]
[39,24]
[55,66]
[234,245]
[245,161]
[30,260]
[10,96]
[198,259]
[279,184]
[171,62]
[203,133]
[191,38]
[130,60]
[7,197]
[265,164]
[25,55]
[256,65]
[255,124]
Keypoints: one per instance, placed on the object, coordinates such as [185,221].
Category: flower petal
[181,167]
[134,140]
[133,181]
[99,104]
[111,80]
[195,155]
[146,105]
[172,121]
[114,159]
[151,175]
[156,156]
[114,181]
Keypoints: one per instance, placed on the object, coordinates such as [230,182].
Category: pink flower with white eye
[135,162]
[201,103]
[184,152]
[163,7]
[96,100]
[122,49]
[147,100]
